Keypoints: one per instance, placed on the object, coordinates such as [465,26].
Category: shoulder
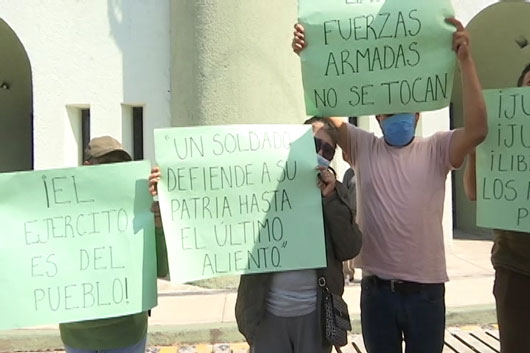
[439,148]
[442,136]
[357,132]
[439,139]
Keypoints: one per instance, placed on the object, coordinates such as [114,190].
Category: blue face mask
[399,129]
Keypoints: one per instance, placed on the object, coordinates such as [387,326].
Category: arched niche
[16,103]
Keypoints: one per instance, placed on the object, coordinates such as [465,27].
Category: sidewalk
[188,314]
[468,265]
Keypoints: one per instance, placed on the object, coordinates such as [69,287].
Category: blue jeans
[135,348]
[411,312]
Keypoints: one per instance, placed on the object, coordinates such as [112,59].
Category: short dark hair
[523,74]
[314,119]
[328,127]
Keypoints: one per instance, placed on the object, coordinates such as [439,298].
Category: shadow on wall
[233,65]
[199,63]
[16,103]
[140,29]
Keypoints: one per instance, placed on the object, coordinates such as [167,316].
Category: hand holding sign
[460,40]
[326,181]
[154,178]
[298,39]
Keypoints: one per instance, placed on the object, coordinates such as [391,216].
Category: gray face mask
[322,161]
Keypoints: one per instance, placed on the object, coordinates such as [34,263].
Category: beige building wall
[232,63]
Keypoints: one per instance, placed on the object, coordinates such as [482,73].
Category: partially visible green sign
[503,162]
[76,244]
[374,56]
[239,199]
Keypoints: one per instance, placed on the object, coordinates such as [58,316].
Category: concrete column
[231,62]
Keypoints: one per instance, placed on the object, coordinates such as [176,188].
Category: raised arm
[154,178]
[470,176]
[299,44]
[475,117]
[160,241]
[344,232]
[342,127]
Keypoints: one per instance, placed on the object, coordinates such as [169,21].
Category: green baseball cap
[100,146]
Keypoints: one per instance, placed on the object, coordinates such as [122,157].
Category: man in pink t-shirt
[400,198]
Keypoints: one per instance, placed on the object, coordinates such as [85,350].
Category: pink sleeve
[356,143]
[443,143]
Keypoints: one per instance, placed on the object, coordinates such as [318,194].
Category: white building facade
[75,69]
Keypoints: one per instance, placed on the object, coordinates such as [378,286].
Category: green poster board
[239,199]
[76,244]
[503,162]
[368,57]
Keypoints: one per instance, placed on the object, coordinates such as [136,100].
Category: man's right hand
[298,39]
[154,178]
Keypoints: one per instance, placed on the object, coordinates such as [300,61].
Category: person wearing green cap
[124,334]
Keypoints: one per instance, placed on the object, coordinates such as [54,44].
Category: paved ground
[468,265]
[469,339]
[189,315]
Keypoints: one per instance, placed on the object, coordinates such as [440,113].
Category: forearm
[343,231]
[470,176]
[342,127]
[161,253]
[475,115]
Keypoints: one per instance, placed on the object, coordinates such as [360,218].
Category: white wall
[465,10]
[95,53]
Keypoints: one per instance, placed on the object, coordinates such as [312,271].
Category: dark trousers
[392,313]
[512,297]
[299,334]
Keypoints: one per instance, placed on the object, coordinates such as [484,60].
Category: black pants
[512,297]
